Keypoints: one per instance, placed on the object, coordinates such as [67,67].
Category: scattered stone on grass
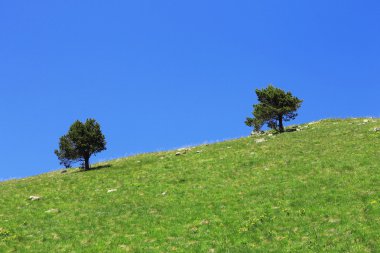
[369,120]
[376,129]
[125,247]
[54,210]
[164,193]
[300,128]
[257,133]
[111,190]
[260,140]
[34,198]
[199,151]
[182,151]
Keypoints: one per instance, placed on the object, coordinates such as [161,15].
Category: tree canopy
[81,142]
[275,106]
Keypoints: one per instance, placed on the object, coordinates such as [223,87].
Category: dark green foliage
[275,106]
[82,141]
[255,123]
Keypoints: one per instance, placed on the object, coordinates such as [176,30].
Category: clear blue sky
[164,74]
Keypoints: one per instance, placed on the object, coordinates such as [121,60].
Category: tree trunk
[86,162]
[280,124]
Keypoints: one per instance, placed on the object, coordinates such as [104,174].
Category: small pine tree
[275,106]
[81,142]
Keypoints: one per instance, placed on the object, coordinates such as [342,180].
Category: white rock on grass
[182,151]
[111,190]
[54,210]
[33,198]
[376,129]
[260,140]
[257,133]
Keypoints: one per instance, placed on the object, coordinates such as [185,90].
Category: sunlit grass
[314,190]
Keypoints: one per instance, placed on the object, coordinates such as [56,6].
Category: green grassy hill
[314,190]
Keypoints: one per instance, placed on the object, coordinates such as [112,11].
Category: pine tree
[274,108]
[81,142]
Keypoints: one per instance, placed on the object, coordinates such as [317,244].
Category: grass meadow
[314,190]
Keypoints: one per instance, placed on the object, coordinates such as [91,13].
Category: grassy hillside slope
[314,190]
